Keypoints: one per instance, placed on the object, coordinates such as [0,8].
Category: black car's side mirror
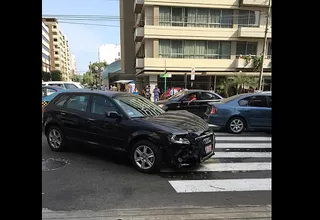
[113,114]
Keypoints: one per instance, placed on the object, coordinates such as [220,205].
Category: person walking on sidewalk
[156,93]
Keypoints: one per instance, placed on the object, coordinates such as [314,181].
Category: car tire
[236,125]
[146,157]
[55,139]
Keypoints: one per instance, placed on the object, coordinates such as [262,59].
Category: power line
[105,25]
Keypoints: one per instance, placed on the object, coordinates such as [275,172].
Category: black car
[194,101]
[130,124]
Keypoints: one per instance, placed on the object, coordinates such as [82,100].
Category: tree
[46,76]
[97,64]
[87,78]
[77,78]
[225,85]
[241,80]
[56,75]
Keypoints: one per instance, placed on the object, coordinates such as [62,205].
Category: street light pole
[264,46]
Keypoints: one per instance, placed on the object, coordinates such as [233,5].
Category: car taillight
[214,110]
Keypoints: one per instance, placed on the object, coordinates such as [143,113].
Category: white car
[64,84]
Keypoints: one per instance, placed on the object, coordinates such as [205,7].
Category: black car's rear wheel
[236,125]
[55,138]
[146,157]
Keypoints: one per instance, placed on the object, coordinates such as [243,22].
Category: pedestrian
[135,91]
[146,92]
[156,93]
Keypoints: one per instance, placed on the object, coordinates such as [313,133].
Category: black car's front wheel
[146,157]
[55,138]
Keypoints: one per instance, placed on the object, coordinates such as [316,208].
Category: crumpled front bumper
[193,154]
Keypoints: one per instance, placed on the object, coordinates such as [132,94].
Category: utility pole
[264,46]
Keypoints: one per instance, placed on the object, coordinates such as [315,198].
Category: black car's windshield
[177,95]
[138,106]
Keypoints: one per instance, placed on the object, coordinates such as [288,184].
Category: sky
[84,40]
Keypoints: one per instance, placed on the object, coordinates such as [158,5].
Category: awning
[123,81]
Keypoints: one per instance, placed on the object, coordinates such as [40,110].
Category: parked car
[48,90]
[182,101]
[64,84]
[128,123]
[248,111]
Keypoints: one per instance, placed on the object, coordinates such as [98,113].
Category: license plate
[208,149]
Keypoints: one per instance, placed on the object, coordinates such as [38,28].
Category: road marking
[243,145]
[241,154]
[220,167]
[231,185]
[239,138]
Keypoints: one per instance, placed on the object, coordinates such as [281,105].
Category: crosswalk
[241,163]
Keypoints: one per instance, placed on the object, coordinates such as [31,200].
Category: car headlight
[161,105]
[179,140]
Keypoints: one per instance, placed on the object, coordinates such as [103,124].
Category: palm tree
[241,80]
[225,86]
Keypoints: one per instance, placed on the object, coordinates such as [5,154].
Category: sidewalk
[170,213]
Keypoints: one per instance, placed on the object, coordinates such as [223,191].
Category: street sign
[193,73]
[166,75]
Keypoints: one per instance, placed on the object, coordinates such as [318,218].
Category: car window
[258,101]
[44,92]
[50,91]
[70,86]
[208,96]
[61,100]
[189,96]
[244,102]
[77,102]
[101,105]
[56,84]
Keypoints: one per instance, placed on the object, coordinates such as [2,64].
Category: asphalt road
[95,179]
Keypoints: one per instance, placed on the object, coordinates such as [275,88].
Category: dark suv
[130,124]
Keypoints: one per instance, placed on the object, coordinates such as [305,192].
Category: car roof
[98,92]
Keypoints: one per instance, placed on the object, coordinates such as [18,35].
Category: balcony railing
[139,63]
[260,3]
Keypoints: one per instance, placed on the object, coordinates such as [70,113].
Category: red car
[167,95]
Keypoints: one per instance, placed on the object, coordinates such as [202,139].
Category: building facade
[209,38]
[73,65]
[109,53]
[45,49]
[60,51]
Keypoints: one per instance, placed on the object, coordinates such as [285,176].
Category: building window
[45,48]
[56,65]
[54,26]
[196,17]
[269,54]
[45,30]
[55,39]
[45,56]
[56,52]
[249,18]
[246,48]
[191,49]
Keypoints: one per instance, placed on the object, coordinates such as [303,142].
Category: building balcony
[139,34]
[138,5]
[139,21]
[196,3]
[253,32]
[242,63]
[259,3]
[139,63]
[201,65]
[189,33]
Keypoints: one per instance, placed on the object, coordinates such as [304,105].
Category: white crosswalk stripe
[241,163]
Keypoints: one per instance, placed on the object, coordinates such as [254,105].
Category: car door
[72,111]
[184,104]
[257,112]
[104,131]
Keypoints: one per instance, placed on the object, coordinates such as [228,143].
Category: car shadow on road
[92,152]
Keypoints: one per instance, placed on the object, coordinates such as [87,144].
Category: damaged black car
[131,124]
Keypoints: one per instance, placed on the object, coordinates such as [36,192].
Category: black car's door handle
[91,119]
[62,113]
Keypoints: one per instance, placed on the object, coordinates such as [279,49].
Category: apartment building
[208,38]
[45,49]
[73,65]
[60,50]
